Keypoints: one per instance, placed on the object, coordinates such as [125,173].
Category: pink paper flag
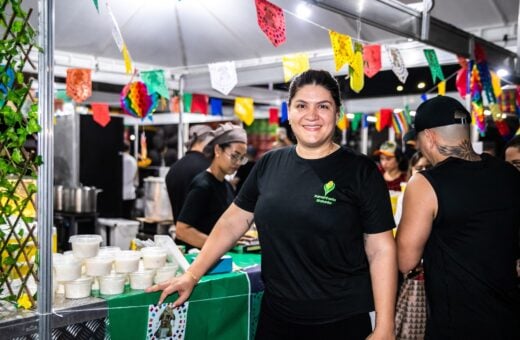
[100,113]
[271,21]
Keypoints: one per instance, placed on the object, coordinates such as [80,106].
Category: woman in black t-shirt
[210,194]
[324,219]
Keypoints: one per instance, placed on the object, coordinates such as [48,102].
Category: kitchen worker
[324,219]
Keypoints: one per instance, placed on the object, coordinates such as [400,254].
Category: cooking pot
[76,199]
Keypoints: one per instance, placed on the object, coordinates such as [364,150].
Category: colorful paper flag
[79,84]
[273,115]
[199,103]
[174,104]
[137,102]
[433,63]
[441,88]
[398,67]
[358,117]
[341,48]
[294,65]
[155,82]
[271,21]
[223,76]
[100,113]
[399,123]
[216,106]
[244,109]
[357,74]
[495,83]
[461,82]
[342,123]
[116,32]
[372,59]
[128,60]
[186,102]
[284,112]
[383,119]
[96,4]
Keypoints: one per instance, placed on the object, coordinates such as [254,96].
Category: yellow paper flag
[441,88]
[342,49]
[244,109]
[357,70]
[128,60]
[495,83]
[294,65]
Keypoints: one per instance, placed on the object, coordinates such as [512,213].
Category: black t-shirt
[311,216]
[179,177]
[469,259]
[207,200]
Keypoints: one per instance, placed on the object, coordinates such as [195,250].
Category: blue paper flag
[364,121]
[285,114]
[424,97]
[216,107]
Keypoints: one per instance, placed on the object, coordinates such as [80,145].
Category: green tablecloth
[219,308]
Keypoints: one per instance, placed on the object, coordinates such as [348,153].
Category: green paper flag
[433,62]
[356,121]
[407,114]
[187,98]
[96,4]
[155,82]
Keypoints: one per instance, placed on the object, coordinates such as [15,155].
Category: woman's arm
[381,252]
[231,225]
[190,234]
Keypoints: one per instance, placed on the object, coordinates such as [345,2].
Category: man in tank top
[462,218]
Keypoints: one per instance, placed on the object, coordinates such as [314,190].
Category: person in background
[324,219]
[183,171]
[281,138]
[130,181]
[245,169]
[393,165]
[512,152]
[209,193]
[462,217]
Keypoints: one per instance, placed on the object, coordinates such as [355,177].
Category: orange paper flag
[342,49]
[244,109]
[79,84]
[100,113]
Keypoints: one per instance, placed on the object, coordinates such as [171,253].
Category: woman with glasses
[210,194]
[325,223]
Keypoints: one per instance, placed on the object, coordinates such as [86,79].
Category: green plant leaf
[9,261]
[12,247]
[16,156]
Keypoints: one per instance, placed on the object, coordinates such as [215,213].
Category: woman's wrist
[194,277]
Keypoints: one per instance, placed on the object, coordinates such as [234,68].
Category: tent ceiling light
[421,85]
[502,73]
[303,11]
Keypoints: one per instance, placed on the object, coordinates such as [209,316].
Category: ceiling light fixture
[502,73]
[303,11]
[421,85]
[412,113]
[399,88]
[487,113]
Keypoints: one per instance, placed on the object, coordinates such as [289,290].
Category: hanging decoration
[79,84]
[495,84]
[398,67]
[399,123]
[175,105]
[155,82]
[341,48]
[294,65]
[199,103]
[244,109]
[96,5]
[441,88]
[273,115]
[407,114]
[271,21]
[383,119]
[433,63]
[144,161]
[357,75]
[502,128]
[8,77]
[216,106]
[118,38]
[461,82]
[100,113]
[372,59]
[127,60]
[284,112]
[342,122]
[137,102]
[358,117]
[186,102]
[223,76]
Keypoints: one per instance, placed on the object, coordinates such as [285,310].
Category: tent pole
[180,127]
[45,173]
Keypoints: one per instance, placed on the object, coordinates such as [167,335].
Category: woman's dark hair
[415,158]
[209,149]
[401,159]
[513,143]
[316,77]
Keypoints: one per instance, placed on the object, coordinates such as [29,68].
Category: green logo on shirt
[327,189]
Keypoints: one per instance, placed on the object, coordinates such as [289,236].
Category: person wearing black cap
[461,216]
[183,171]
[325,222]
[210,194]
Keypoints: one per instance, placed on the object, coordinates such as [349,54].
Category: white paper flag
[397,64]
[116,32]
[223,76]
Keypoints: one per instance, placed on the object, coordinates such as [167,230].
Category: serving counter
[222,306]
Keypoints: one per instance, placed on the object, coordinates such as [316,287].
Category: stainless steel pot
[77,200]
[58,198]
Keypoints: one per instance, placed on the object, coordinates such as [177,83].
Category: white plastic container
[79,288]
[85,246]
[67,268]
[141,280]
[127,261]
[153,257]
[120,231]
[112,284]
[97,266]
[165,273]
[109,251]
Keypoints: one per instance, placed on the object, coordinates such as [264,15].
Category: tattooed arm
[463,150]
[229,228]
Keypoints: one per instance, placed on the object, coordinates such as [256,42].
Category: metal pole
[45,172]
[364,140]
[136,141]
[517,66]
[180,127]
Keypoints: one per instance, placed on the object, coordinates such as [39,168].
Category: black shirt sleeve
[192,212]
[375,206]
[248,195]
